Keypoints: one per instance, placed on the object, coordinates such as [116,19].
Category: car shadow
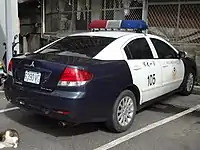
[164,106]
[173,109]
[50,126]
[153,105]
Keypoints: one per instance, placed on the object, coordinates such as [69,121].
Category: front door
[172,67]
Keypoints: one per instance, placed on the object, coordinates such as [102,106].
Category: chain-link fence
[178,22]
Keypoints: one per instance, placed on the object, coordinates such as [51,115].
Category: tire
[113,123]
[189,79]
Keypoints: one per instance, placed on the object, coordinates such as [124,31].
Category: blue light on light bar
[134,24]
[118,24]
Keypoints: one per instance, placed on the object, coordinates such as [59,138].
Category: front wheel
[188,84]
[123,112]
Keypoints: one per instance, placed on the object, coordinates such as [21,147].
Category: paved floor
[40,133]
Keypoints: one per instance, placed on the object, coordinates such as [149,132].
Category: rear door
[145,70]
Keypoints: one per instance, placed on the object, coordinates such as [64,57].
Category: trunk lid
[43,71]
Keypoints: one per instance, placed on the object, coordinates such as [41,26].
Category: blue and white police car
[105,75]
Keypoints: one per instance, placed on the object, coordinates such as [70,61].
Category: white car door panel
[168,75]
[152,89]
[145,70]
[147,79]
[172,67]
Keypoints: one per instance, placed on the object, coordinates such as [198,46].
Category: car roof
[112,34]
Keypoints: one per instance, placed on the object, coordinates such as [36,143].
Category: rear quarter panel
[110,78]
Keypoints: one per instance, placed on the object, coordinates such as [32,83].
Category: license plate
[32,77]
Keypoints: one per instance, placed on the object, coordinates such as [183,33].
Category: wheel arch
[190,63]
[133,88]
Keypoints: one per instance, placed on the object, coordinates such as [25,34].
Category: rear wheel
[188,84]
[123,112]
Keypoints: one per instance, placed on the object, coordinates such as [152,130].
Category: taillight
[10,68]
[74,77]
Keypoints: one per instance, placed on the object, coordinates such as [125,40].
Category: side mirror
[181,54]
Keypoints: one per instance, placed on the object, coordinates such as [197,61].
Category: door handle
[137,67]
[165,65]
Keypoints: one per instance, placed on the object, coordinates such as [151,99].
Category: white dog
[9,138]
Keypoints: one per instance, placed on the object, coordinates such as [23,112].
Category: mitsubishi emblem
[32,64]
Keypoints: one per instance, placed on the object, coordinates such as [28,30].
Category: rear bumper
[77,106]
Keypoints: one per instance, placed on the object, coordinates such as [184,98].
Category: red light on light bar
[98,24]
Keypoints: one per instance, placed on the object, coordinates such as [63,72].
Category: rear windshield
[83,46]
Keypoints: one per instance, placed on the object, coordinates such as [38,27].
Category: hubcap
[190,82]
[125,111]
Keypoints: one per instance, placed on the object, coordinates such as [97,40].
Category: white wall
[13,25]
[2,27]
[15,20]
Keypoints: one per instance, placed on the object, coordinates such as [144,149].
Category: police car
[105,75]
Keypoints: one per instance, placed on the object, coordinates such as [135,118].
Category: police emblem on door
[174,73]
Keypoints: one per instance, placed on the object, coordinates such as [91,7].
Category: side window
[138,49]
[164,51]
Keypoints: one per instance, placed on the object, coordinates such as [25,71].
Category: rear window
[88,46]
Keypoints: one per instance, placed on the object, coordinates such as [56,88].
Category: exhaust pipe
[64,124]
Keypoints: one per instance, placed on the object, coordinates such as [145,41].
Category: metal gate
[66,16]
[121,9]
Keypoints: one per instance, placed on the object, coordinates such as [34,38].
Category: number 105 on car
[151,79]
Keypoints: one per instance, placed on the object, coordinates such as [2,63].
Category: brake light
[10,68]
[74,77]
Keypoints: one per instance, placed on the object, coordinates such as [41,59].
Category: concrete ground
[181,133]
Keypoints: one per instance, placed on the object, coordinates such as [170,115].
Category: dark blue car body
[92,102]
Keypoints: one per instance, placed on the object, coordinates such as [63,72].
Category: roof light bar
[118,24]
